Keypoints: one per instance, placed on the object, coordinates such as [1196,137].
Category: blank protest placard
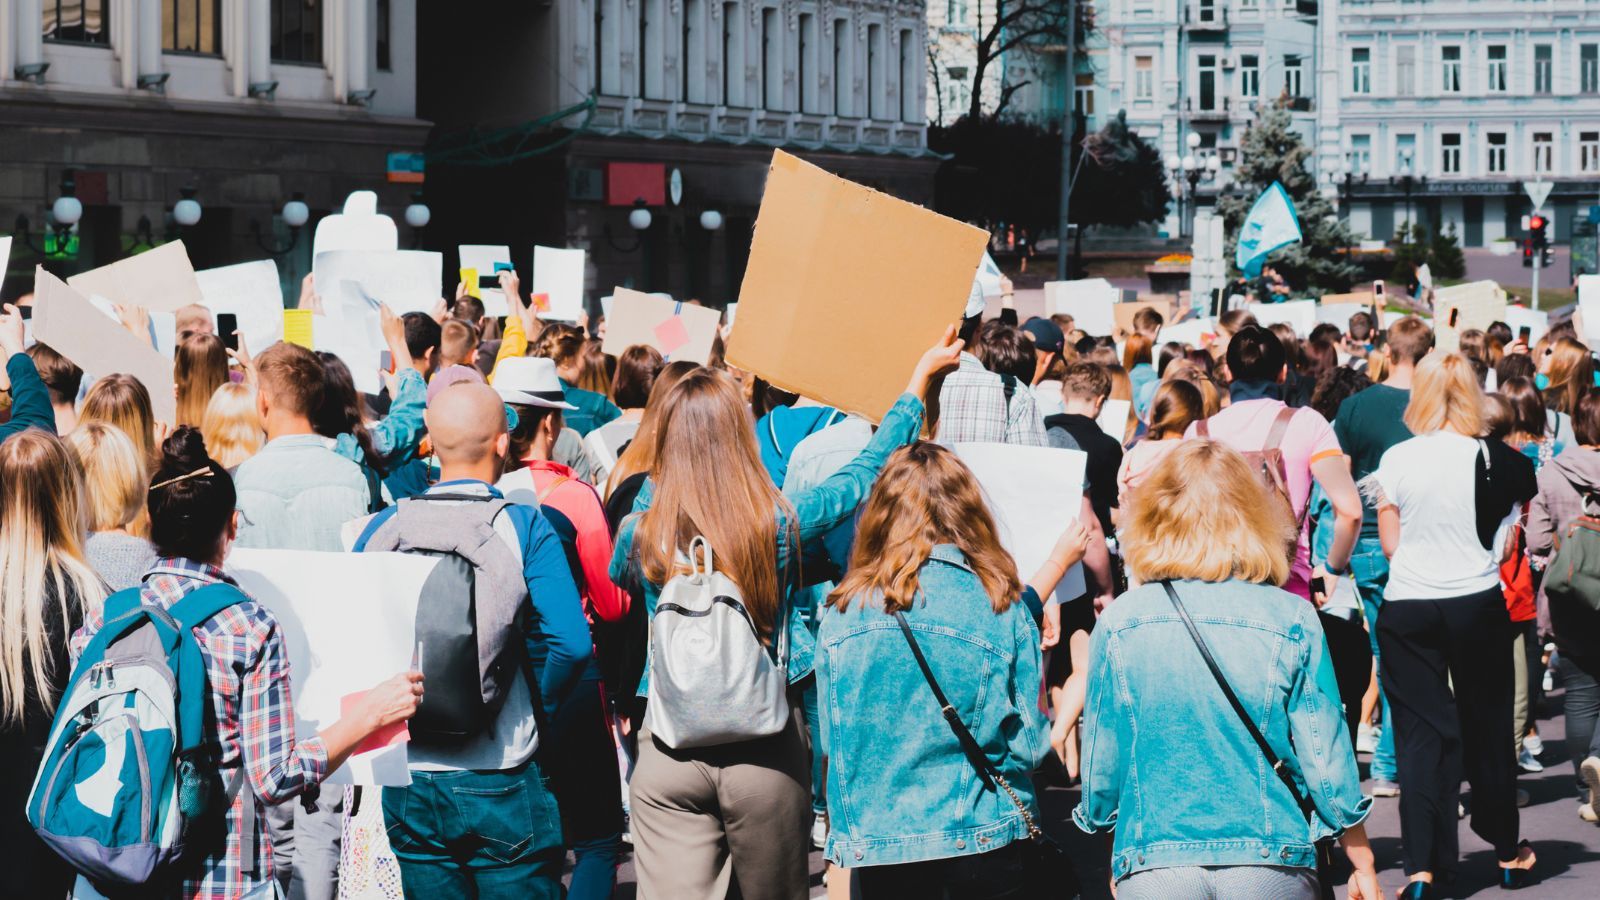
[677,330]
[1032,492]
[159,279]
[1459,307]
[558,274]
[252,292]
[483,260]
[846,288]
[70,324]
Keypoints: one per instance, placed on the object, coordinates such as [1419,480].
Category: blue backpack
[124,779]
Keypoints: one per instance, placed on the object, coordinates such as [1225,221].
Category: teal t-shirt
[1368,424]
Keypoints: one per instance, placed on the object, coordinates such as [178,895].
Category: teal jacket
[817,511]
[1166,761]
[395,437]
[593,410]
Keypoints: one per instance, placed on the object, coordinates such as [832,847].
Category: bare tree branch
[1006,91]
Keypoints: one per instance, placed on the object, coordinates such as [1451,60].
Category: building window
[191,26]
[1207,64]
[1208,10]
[1497,69]
[909,75]
[841,65]
[1405,154]
[1497,152]
[297,31]
[1544,152]
[733,55]
[875,72]
[1361,70]
[807,61]
[1450,154]
[1405,70]
[1144,78]
[956,12]
[957,92]
[1083,95]
[1291,76]
[381,42]
[1543,69]
[771,60]
[1249,75]
[692,64]
[1589,68]
[1361,153]
[1450,70]
[77,21]
[1589,152]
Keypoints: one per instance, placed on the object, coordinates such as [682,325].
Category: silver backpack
[712,681]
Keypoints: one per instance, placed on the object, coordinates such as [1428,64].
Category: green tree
[1273,151]
[1120,178]
[1445,258]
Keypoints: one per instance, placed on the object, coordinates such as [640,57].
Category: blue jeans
[1371,571]
[476,834]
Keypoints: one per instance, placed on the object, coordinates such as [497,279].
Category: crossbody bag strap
[969,745]
[1278,767]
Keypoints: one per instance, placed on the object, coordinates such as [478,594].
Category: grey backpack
[471,613]
[712,680]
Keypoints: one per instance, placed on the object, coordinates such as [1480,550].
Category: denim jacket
[817,512]
[900,789]
[395,438]
[1168,764]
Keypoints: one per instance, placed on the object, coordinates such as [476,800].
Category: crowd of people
[716,624]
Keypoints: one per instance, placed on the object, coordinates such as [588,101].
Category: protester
[232,425]
[47,590]
[199,367]
[976,404]
[194,525]
[423,338]
[384,447]
[1205,526]
[782,422]
[30,399]
[1138,360]
[1567,488]
[122,402]
[564,344]
[115,485]
[1084,389]
[1367,425]
[928,553]
[1175,406]
[192,319]
[1565,372]
[705,817]
[477,819]
[63,379]
[637,369]
[596,369]
[1443,627]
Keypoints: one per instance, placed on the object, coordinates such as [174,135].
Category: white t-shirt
[1432,479]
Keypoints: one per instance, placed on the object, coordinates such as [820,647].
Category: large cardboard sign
[847,287]
[558,274]
[73,327]
[1123,313]
[159,279]
[678,330]
[1301,315]
[250,291]
[1459,307]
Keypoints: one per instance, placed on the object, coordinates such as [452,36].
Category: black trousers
[1351,652]
[1425,647]
[996,875]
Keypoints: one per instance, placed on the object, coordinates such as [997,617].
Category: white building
[1449,106]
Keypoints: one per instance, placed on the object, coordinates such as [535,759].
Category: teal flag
[1271,224]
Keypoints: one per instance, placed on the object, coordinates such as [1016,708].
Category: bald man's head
[466,422]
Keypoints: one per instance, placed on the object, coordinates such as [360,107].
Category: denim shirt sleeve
[1321,739]
[1102,738]
[821,508]
[1030,743]
[397,434]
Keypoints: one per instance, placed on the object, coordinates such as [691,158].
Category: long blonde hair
[640,455]
[114,478]
[232,425]
[41,560]
[199,367]
[924,497]
[1204,513]
[1445,393]
[709,482]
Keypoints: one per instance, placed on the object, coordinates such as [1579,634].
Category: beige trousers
[703,819]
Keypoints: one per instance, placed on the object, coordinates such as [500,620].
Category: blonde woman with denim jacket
[1168,766]
[905,805]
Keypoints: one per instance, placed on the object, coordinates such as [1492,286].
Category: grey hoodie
[1558,503]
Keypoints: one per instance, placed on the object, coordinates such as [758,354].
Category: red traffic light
[1536,223]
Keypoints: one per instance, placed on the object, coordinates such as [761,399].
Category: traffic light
[1527,253]
[1537,246]
[1547,256]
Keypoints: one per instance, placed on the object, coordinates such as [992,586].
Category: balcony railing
[1218,111]
[1204,17]
[700,122]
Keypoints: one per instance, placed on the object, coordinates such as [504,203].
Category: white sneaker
[1366,738]
[819,832]
[1533,744]
[1549,680]
[1527,762]
[1586,813]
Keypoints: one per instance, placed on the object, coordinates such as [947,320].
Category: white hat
[530,381]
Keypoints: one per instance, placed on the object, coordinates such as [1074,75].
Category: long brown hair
[123,401]
[640,455]
[1571,373]
[925,496]
[709,482]
[199,367]
[42,524]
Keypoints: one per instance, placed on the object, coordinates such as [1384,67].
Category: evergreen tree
[1273,151]
[1120,179]
[1445,258]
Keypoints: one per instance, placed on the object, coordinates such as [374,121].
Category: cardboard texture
[846,288]
[558,273]
[1363,298]
[160,279]
[678,330]
[1123,313]
[251,291]
[70,324]
[1475,305]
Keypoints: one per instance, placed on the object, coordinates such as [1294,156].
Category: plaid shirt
[247,670]
[972,407]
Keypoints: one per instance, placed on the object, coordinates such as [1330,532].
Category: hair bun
[184,451]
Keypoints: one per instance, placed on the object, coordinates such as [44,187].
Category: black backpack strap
[1278,766]
[1008,385]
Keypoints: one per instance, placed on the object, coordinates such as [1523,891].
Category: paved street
[1569,849]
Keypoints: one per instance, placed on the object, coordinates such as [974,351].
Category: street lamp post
[65,212]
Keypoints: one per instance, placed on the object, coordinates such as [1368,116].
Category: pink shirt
[1137,464]
[1244,426]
